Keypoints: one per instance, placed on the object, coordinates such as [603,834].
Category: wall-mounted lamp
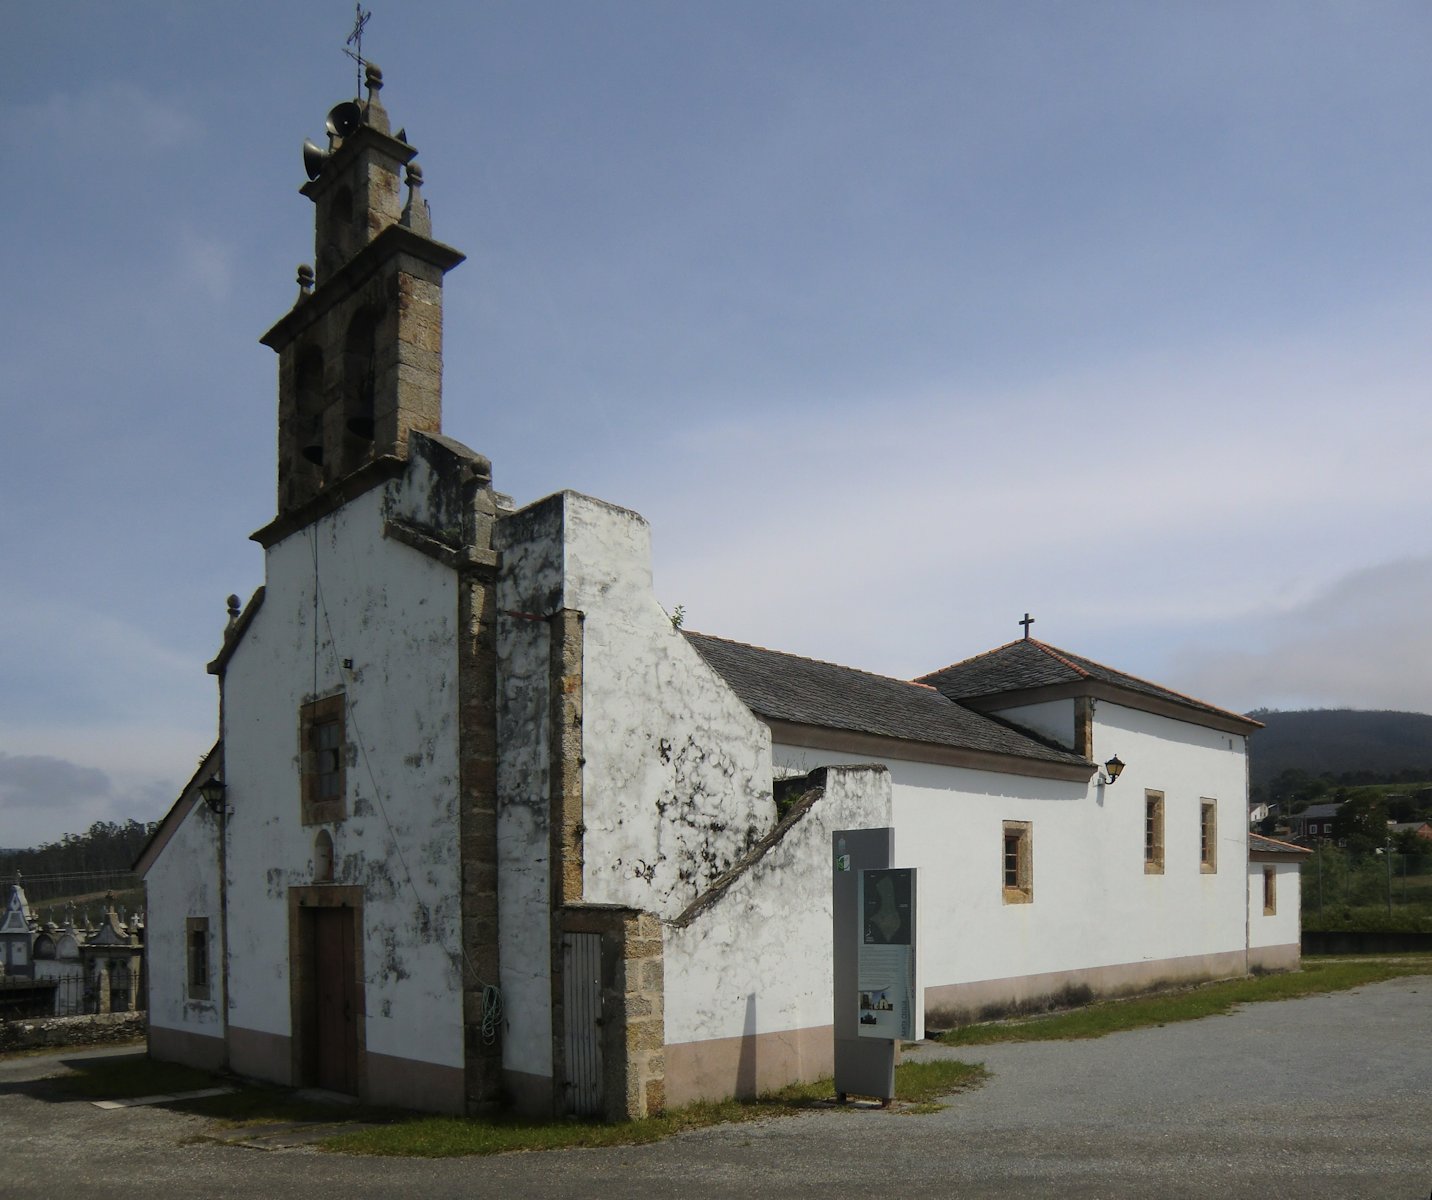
[1114,768]
[212,790]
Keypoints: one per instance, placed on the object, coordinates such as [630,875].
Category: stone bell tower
[360,352]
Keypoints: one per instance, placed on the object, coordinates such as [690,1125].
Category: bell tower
[360,352]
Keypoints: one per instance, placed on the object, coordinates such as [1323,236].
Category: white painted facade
[758,960]
[186,884]
[676,775]
[338,589]
[676,790]
[1282,927]
[1093,903]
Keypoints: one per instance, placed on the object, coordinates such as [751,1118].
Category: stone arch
[323,857]
[360,381]
[308,408]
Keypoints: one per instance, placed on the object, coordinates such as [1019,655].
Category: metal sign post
[876,1000]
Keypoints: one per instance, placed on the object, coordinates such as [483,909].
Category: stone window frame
[319,807]
[1153,833]
[1017,862]
[1208,836]
[198,961]
[1270,892]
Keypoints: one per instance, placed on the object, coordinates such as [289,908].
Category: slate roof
[786,687]
[1030,663]
[1266,845]
[1317,812]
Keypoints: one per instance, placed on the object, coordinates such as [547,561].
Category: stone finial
[416,215]
[305,281]
[233,609]
[373,112]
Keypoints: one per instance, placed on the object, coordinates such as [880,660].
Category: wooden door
[334,1031]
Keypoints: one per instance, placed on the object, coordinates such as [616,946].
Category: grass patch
[917,1083]
[1206,1000]
[920,1083]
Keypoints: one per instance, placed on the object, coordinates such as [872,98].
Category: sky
[895,321]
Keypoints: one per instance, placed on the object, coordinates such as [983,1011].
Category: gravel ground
[1328,1096]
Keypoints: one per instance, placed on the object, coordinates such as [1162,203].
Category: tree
[1408,842]
[1361,824]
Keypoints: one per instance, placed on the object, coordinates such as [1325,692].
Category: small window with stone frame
[1270,892]
[1208,836]
[196,936]
[1018,862]
[323,752]
[1153,833]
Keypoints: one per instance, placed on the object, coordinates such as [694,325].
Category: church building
[483,828]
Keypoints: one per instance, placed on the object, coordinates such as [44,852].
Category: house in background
[1421,829]
[1315,821]
[482,827]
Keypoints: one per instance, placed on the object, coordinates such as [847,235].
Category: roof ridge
[820,662]
[1263,837]
[964,661]
[1163,687]
[1061,657]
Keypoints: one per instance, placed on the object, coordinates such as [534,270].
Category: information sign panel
[886,970]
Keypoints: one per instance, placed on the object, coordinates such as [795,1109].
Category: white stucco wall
[1284,927]
[676,777]
[1053,719]
[529,590]
[1093,903]
[184,883]
[759,959]
[677,781]
[393,612]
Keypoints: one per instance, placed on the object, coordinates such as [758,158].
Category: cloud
[43,796]
[35,781]
[117,114]
[1361,642]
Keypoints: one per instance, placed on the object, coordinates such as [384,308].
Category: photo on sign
[886,901]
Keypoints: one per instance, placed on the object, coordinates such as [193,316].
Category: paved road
[1330,1096]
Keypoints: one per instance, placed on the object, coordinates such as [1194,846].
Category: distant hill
[1342,741]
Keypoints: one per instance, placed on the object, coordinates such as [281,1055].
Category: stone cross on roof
[1027,622]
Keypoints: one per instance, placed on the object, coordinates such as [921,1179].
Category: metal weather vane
[355,39]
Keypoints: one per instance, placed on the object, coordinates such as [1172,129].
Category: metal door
[582,1017]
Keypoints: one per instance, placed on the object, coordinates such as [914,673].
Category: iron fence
[1337,882]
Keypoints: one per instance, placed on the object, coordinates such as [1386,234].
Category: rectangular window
[323,751]
[1018,862]
[1208,836]
[196,933]
[1153,833]
[1270,892]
